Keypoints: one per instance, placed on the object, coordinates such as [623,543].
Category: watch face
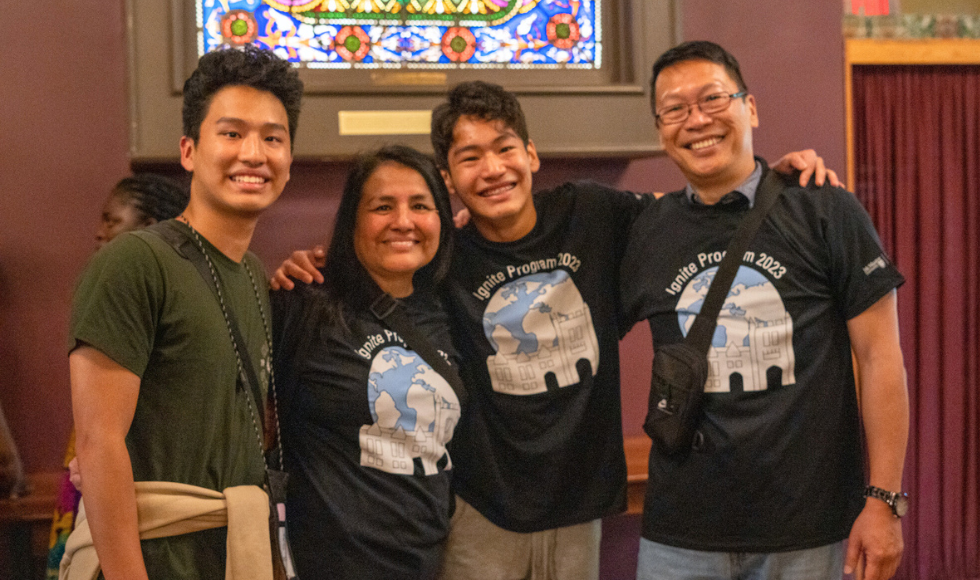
[901,505]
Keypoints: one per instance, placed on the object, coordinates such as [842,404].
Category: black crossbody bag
[680,370]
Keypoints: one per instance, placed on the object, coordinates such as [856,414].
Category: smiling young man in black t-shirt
[534,285]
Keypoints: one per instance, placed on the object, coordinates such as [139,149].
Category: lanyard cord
[234,343]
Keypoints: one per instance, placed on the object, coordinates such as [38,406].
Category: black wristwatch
[898,501]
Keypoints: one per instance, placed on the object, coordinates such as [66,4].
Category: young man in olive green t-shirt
[154,372]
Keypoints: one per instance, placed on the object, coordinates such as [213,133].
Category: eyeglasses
[708,104]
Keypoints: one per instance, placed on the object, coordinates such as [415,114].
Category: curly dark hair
[484,101]
[248,66]
[154,196]
[696,50]
[348,287]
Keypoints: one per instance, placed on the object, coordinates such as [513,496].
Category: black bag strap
[703,328]
[186,248]
[391,313]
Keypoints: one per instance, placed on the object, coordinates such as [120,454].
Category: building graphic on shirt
[541,329]
[414,410]
[754,332]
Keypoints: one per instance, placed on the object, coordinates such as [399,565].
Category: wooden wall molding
[918,51]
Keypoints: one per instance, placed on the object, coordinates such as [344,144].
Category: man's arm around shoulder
[104,396]
[877,533]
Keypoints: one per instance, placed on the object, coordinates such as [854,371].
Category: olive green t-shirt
[147,308]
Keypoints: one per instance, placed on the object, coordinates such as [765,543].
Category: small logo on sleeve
[878,262]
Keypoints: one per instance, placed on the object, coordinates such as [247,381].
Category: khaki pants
[479,550]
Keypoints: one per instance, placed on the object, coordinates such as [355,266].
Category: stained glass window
[410,34]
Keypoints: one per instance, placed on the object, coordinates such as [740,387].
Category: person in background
[135,202]
[365,418]
[139,201]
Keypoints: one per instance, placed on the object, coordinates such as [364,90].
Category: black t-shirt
[540,445]
[365,422]
[782,469]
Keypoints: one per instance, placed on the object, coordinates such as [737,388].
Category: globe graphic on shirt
[542,334]
[414,411]
[754,332]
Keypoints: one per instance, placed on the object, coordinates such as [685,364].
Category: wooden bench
[637,460]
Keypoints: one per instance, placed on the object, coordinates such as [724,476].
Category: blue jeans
[660,562]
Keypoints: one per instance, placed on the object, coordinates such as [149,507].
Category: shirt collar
[746,189]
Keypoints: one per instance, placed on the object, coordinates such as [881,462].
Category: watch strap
[892,498]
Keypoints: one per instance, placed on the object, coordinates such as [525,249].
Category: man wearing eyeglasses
[777,483]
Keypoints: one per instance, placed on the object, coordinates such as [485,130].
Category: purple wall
[64,144]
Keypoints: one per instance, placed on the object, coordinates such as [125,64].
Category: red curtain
[917,145]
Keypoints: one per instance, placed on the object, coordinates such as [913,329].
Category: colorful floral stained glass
[533,34]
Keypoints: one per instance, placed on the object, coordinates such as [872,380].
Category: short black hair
[485,101]
[696,50]
[348,287]
[154,196]
[248,66]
